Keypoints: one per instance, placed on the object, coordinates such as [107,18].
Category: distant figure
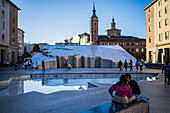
[131,64]
[65,64]
[120,65]
[166,69]
[31,63]
[16,66]
[140,65]
[125,65]
[36,66]
[133,85]
[43,66]
[123,91]
[137,64]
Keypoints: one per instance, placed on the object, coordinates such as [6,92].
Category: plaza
[78,101]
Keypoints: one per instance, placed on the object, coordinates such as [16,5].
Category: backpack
[167,70]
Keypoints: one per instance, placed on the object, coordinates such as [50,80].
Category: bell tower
[93,27]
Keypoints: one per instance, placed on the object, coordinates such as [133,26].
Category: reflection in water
[48,85]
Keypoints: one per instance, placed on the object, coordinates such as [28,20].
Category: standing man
[43,66]
[120,65]
[166,69]
[137,64]
[125,65]
[133,85]
[140,65]
[131,64]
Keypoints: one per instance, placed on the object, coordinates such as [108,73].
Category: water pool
[51,83]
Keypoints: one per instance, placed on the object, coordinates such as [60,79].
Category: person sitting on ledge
[123,91]
[133,85]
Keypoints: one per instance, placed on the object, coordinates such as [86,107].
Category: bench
[133,107]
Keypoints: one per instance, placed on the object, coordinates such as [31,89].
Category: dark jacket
[135,87]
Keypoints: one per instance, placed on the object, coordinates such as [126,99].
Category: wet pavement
[80,100]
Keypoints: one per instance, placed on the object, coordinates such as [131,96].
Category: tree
[36,48]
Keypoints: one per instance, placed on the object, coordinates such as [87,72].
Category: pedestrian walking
[166,69]
[120,65]
[125,65]
[43,66]
[140,65]
[131,64]
[137,65]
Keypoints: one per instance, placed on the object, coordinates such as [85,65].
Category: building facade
[20,44]
[8,32]
[133,45]
[157,31]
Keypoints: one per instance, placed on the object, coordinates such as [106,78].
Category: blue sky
[53,21]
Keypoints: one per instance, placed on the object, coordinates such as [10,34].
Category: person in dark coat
[43,66]
[131,64]
[166,70]
[133,85]
[120,65]
[125,65]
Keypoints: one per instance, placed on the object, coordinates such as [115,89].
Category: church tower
[113,24]
[93,27]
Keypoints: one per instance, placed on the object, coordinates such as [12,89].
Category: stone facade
[157,31]
[9,32]
[20,44]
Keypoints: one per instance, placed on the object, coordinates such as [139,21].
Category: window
[149,28]
[137,43]
[3,25]
[3,36]
[166,0]
[137,49]
[149,39]
[132,49]
[13,41]
[159,3]
[166,22]
[160,24]
[149,19]
[149,10]
[127,44]
[127,50]
[166,35]
[160,37]
[3,14]
[132,44]
[142,50]
[160,13]
[123,44]
[3,3]
[13,29]
[13,10]
[166,9]
[13,20]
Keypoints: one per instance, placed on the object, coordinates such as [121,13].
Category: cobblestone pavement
[77,101]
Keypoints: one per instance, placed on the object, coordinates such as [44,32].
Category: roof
[21,30]
[150,4]
[119,38]
[13,4]
[113,30]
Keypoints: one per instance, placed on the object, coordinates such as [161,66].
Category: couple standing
[125,93]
